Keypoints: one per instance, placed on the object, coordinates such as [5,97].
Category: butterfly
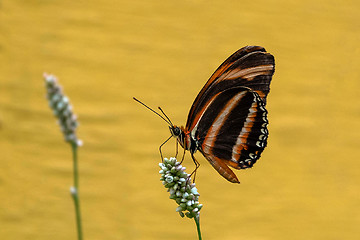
[227,122]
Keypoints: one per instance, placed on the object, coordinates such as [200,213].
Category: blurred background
[305,186]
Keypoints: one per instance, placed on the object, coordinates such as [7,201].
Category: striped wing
[250,67]
[228,118]
[233,130]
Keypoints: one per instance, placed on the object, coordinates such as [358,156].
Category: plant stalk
[75,191]
[197,221]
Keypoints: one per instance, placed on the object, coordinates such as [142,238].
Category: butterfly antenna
[166,116]
[166,120]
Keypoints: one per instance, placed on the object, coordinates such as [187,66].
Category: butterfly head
[179,134]
[175,131]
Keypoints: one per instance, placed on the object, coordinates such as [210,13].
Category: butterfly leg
[182,159]
[177,148]
[197,165]
[162,159]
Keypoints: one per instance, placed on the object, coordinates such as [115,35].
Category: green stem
[75,191]
[197,221]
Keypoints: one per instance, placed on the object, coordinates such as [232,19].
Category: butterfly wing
[251,67]
[228,119]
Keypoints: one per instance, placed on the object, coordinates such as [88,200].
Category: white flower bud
[178,168]
[194,191]
[73,190]
[169,179]
[172,191]
[179,209]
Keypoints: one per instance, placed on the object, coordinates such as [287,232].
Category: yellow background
[305,186]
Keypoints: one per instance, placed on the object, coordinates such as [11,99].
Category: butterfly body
[227,122]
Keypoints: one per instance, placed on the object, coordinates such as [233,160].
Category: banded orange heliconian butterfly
[227,122]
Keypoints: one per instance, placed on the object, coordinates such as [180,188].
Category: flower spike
[178,183]
[62,109]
